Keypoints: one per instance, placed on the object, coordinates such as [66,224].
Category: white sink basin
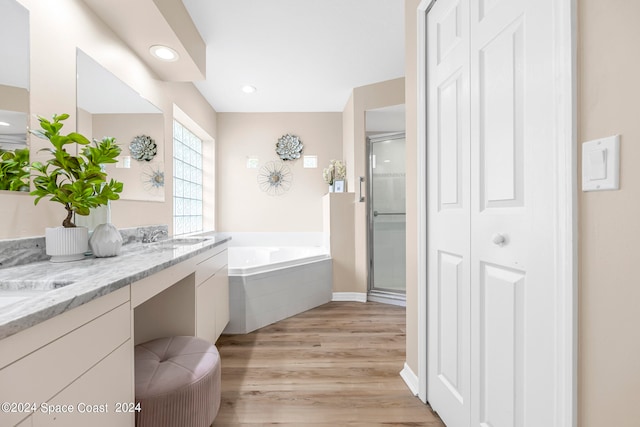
[8,298]
[27,285]
[12,291]
[178,241]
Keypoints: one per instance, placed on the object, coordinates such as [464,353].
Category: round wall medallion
[289,147]
[143,147]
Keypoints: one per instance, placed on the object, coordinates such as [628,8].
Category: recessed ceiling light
[4,124]
[249,89]
[164,53]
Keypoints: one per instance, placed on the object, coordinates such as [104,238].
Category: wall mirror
[109,107]
[14,96]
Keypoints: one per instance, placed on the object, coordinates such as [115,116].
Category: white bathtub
[268,284]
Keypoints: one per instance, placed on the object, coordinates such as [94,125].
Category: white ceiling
[301,55]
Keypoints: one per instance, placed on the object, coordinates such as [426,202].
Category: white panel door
[491,233]
[448,214]
[512,214]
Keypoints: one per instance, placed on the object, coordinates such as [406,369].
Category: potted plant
[14,169]
[78,182]
[336,171]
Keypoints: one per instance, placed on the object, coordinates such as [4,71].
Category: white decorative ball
[105,241]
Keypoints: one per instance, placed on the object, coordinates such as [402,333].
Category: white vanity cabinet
[190,298]
[77,367]
[212,294]
[79,356]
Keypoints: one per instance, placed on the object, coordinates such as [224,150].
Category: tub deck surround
[268,284]
[88,279]
[245,261]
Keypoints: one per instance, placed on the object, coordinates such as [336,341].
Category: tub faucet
[152,236]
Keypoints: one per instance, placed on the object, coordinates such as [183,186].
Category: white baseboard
[410,379]
[349,296]
[387,299]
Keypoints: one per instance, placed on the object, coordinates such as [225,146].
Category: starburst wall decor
[274,178]
[153,178]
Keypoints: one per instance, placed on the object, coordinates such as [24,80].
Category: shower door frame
[373,294]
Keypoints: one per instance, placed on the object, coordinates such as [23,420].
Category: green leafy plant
[14,170]
[79,182]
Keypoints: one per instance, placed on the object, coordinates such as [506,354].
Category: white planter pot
[67,244]
[105,241]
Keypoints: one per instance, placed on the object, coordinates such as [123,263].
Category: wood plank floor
[335,365]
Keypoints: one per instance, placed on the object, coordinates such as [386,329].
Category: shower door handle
[361,196]
[376,213]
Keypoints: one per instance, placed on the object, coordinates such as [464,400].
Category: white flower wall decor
[289,147]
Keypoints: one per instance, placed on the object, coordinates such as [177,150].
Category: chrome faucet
[152,236]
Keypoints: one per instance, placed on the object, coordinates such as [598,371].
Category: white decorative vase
[331,188]
[105,241]
[66,244]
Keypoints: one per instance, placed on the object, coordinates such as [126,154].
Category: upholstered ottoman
[177,382]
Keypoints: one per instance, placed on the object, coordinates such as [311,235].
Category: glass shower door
[387,220]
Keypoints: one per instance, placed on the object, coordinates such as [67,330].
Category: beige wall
[378,95]
[411,114]
[242,205]
[57,29]
[609,221]
[338,223]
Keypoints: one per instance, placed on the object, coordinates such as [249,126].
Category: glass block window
[187,181]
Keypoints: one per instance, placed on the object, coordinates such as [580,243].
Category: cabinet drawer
[103,388]
[210,266]
[38,376]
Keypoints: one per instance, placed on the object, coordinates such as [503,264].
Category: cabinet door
[212,307]
[205,310]
[221,300]
[98,397]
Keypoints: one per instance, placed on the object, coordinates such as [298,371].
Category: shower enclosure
[386,218]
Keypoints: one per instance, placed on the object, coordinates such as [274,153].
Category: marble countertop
[90,278]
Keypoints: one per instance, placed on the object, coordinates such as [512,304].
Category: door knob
[499,239]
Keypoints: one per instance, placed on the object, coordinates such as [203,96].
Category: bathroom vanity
[67,331]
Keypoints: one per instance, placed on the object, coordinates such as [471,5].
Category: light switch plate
[310,161]
[124,162]
[252,162]
[601,164]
